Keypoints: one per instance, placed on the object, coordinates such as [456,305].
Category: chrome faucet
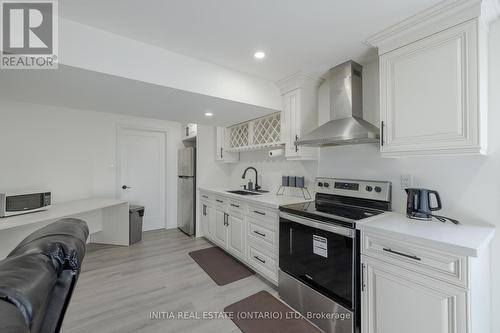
[257,187]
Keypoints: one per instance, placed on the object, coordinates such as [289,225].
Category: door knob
[126,187]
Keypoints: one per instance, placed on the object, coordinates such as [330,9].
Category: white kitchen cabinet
[429,95]
[220,236]
[396,300]
[221,154]
[410,287]
[434,81]
[236,239]
[247,231]
[204,218]
[299,115]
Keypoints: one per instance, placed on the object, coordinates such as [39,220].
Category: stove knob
[326,185]
[378,189]
[320,184]
[369,188]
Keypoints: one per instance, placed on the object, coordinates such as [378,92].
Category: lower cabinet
[236,239]
[411,288]
[220,236]
[397,300]
[246,231]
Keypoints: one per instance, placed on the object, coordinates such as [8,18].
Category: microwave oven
[24,202]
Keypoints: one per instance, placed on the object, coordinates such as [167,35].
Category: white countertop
[59,210]
[462,239]
[270,199]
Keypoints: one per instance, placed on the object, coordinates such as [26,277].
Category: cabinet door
[211,222]
[220,228]
[236,240]
[220,148]
[289,126]
[429,101]
[204,219]
[395,300]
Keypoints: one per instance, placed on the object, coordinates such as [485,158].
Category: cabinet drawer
[440,265]
[257,232]
[262,261]
[220,201]
[236,208]
[263,214]
[205,196]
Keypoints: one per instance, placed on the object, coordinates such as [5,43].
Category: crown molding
[431,20]
[299,79]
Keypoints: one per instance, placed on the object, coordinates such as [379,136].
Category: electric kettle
[419,206]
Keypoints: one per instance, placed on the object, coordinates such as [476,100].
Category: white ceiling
[308,35]
[76,88]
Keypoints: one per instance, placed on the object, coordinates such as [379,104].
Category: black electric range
[319,249]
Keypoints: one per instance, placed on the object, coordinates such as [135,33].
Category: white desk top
[270,200]
[58,211]
[462,239]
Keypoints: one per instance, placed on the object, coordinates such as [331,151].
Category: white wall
[270,171]
[72,152]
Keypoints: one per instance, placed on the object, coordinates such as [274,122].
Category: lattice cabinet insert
[259,133]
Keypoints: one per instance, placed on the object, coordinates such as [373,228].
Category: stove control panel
[366,189]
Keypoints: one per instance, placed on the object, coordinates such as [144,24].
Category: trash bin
[135,223]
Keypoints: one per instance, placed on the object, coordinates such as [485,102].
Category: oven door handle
[347,232]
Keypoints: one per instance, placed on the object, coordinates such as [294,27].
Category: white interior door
[142,173]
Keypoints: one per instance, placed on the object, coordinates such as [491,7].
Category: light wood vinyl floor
[120,286]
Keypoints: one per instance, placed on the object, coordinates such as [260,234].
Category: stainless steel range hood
[346,125]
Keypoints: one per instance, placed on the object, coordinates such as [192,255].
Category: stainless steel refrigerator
[186,190]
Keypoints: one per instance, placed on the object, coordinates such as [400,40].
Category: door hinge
[363,277]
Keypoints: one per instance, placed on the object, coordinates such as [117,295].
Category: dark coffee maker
[418,205]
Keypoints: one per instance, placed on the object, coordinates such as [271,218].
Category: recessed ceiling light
[259,55]
[209,114]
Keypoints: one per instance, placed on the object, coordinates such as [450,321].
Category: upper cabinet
[299,115]
[189,131]
[433,82]
[221,153]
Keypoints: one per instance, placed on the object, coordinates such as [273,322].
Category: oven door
[321,255]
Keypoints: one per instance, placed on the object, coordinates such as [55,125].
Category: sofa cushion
[11,319]
[27,281]
[62,241]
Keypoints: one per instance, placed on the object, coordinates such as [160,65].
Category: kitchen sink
[240,192]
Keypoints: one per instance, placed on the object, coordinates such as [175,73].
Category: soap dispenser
[250,185]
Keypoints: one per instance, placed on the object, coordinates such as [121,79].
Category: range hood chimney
[346,125]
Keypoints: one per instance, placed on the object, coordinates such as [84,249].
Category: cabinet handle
[205,196]
[260,213]
[295,143]
[259,233]
[219,200]
[363,277]
[221,156]
[261,260]
[401,254]
[237,206]
[382,124]
[204,210]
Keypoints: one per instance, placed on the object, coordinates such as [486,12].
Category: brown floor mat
[279,318]
[220,266]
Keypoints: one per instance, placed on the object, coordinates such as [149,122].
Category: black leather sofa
[38,277]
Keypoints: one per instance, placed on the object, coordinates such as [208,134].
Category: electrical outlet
[406,181]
